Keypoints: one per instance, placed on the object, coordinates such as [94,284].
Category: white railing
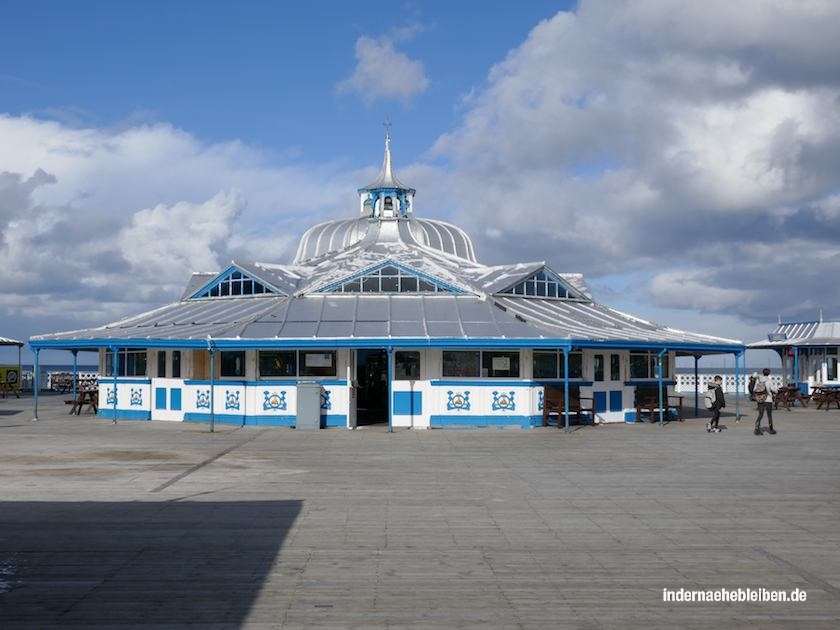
[685,382]
[55,380]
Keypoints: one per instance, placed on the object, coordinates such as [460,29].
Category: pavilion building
[809,351]
[395,320]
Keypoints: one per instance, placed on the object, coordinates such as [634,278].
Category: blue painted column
[738,357]
[36,383]
[116,353]
[212,352]
[75,372]
[659,376]
[566,352]
[390,352]
[696,386]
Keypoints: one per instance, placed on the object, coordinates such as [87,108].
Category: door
[608,384]
[371,386]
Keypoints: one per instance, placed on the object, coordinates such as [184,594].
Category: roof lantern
[386,197]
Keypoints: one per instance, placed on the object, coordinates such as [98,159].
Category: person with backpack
[763,394]
[715,401]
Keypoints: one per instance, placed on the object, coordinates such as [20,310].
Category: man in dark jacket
[720,403]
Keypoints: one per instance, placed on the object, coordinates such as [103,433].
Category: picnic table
[826,396]
[87,393]
[9,387]
[788,395]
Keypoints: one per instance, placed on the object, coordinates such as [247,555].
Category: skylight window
[234,284]
[389,279]
[541,284]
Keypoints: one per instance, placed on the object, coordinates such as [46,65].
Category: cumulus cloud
[696,145]
[96,224]
[382,72]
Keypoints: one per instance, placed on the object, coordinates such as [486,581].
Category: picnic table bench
[85,396]
[826,396]
[788,395]
[554,403]
[9,387]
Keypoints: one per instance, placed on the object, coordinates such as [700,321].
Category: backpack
[709,399]
[759,391]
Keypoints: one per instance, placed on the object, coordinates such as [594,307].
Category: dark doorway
[372,382]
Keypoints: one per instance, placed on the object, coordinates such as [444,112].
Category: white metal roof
[303,309]
[801,334]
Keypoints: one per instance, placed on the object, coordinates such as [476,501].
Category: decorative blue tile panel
[504,401]
[459,401]
[326,403]
[136,397]
[202,399]
[231,400]
[274,401]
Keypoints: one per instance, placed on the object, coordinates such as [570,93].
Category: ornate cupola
[387,197]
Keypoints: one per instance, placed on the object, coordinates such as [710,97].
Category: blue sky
[264,73]
[684,157]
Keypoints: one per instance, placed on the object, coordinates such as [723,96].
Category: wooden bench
[647,403]
[554,403]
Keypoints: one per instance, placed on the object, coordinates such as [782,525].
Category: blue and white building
[809,351]
[395,319]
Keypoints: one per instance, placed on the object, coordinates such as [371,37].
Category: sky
[683,156]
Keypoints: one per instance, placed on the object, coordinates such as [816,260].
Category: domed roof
[334,236]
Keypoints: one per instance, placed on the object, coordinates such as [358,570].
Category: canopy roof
[386,281]
[5,341]
[802,334]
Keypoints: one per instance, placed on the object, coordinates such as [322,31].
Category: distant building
[395,319]
[809,351]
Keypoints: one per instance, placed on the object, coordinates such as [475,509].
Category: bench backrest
[648,392]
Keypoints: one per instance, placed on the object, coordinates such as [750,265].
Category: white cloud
[382,72]
[667,139]
[97,224]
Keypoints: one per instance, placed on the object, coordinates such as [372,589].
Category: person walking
[763,392]
[719,402]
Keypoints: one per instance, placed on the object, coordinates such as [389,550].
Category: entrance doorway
[372,387]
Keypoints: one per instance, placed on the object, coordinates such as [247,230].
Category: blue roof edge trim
[402,267]
[224,276]
[376,342]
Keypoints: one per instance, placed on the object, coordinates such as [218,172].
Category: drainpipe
[390,351]
[212,352]
[659,370]
[115,352]
[566,351]
[36,383]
